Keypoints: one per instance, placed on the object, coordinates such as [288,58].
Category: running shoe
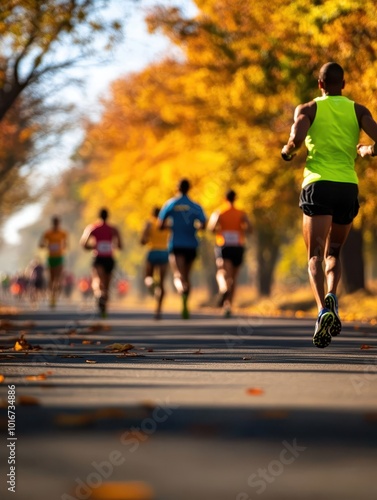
[322,335]
[185,311]
[331,302]
[227,313]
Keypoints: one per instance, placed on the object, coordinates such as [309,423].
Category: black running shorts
[339,199]
[234,254]
[188,253]
[107,263]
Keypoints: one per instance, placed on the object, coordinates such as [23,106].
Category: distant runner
[184,218]
[102,238]
[230,226]
[56,242]
[157,259]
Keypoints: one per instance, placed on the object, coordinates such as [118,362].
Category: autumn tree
[255,64]
[40,39]
[220,111]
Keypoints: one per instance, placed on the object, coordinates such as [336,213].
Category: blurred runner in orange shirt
[230,226]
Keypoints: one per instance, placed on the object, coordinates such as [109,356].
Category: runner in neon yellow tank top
[330,127]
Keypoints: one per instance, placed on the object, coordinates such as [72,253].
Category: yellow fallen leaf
[119,347]
[41,376]
[18,346]
[2,378]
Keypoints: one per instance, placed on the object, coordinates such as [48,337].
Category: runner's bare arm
[84,240]
[213,222]
[300,127]
[42,242]
[145,234]
[369,125]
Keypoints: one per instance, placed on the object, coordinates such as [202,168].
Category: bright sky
[138,49]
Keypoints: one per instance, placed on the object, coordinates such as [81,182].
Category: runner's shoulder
[308,109]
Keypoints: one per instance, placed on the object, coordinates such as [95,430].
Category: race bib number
[231,238]
[54,247]
[104,247]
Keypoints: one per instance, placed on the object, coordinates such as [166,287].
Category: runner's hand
[365,150]
[285,155]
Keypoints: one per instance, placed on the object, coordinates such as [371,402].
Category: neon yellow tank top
[331,142]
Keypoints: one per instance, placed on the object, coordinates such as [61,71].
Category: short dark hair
[230,195]
[55,220]
[331,73]
[184,186]
[103,214]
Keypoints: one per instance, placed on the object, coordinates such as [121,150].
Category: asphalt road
[128,408]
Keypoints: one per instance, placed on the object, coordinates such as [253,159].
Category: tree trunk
[352,260]
[209,268]
[267,254]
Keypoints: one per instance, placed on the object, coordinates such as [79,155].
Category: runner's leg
[336,239]
[315,231]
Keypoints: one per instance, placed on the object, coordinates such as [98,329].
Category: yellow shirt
[158,238]
[56,242]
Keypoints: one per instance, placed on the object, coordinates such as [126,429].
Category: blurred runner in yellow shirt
[55,241]
[157,258]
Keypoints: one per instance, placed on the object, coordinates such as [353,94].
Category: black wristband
[286,156]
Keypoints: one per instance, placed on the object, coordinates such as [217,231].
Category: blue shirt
[183,213]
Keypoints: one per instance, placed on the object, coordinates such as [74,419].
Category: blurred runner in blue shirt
[184,218]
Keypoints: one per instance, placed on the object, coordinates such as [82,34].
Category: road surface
[205,409]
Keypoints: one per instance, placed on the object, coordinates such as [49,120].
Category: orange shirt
[56,242]
[231,227]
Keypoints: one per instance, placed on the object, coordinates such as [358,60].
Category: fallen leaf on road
[118,347]
[87,342]
[246,358]
[255,391]
[366,346]
[135,490]
[2,378]
[98,327]
[40,376]
[27,401]
[6,324]
[23,345]
[90,361]
[67,420]
[199,351]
